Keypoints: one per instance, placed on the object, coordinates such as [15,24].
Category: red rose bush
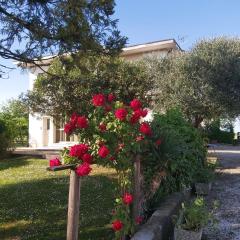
[111,135]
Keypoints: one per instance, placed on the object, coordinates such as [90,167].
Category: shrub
[111,135]
[181,153]
[204,175]
[214,132]
[194,216]
[15,116]
[5,139]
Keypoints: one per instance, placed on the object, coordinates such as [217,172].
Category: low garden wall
[160,225]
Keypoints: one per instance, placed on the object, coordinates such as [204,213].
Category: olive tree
[70,85]
[203,82]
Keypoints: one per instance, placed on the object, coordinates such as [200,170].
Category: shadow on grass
[13,162]
[38,209]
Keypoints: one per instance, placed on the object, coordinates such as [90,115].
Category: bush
[204,175]
[5,139]
[214,132]
[14,114]
[181,153]
[195,216]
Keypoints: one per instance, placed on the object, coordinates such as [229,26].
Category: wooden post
[73,206]
[138,196]
[73,200]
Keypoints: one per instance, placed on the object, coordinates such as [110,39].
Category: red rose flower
[135,104]
[121,146]
[158,142]
[144,112]
[112,158]
[108,108]
[54,162]
[111,97]
[103,151]
[82,122]
[136,116]
[121,114]
[102,127]
[139,219]
[145,129]
[83,169]
[139,138]
[78,150]
[69,128]
[117,225]
[127,198]
[98,100]
[87,158]
[74,118]
[101,143]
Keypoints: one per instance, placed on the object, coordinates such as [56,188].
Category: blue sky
[144,21]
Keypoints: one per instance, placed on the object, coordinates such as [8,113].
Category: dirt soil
[226,189]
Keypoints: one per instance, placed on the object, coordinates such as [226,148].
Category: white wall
[36,120]
[236,125]
[133,57]
[35,131]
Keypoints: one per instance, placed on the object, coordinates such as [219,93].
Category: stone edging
[160,226]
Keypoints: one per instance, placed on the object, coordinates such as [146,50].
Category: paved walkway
[226,189]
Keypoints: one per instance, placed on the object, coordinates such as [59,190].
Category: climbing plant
[110,135]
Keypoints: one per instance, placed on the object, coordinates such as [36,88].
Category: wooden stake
[73,206]
[137,187]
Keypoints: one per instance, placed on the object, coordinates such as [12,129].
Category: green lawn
[33,201]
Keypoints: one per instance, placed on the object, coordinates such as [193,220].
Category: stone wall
[160,226]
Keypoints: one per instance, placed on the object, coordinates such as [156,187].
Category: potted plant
[187,192]
[203,180]
[191,220]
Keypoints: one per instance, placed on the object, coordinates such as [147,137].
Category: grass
[33,201]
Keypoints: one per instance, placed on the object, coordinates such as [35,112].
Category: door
[46,130]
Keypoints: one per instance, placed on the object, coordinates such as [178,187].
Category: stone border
[160,226]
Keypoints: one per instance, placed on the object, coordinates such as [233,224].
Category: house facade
[43,132]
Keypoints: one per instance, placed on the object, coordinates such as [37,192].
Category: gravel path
[226,189]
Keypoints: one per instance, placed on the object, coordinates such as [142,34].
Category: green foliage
[203,82]
[5,138]
[15,116]
[119,138]
[194,216]
[46,27]
[75,80]
[204,175]
[179,156]
[214,132]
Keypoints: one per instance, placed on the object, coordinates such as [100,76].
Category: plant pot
[187,193]
[203,188]
[182,234]
[126,237]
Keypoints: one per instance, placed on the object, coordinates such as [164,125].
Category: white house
[42,130]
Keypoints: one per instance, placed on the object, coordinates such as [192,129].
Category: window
[48,124]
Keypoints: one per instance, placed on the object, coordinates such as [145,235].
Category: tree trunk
[197,121]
